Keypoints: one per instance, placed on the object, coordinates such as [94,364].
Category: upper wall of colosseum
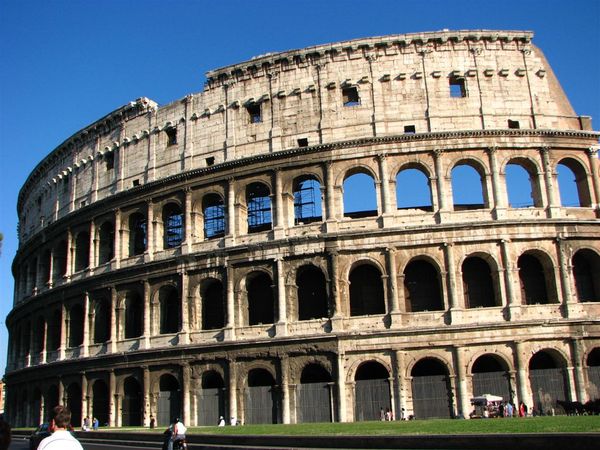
[392,85]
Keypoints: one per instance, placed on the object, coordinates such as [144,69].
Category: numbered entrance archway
[593,363]
[131,414]
[210,399]
[548,380]
[431,391]
[262,402]
[169,400]
[371,391]
[313,395]
[490,376]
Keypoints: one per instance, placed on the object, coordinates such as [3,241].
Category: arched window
[366,291]
[360,196]
[467,188]
[134,315]
[372,391]
[213,211]
[314,397]
[137,234]
[75,326]
[82,251]
[53,331]
[261,299]
[101,321]
[173,225]
[521,185]
[100,404]
[38,338]
[533,280]
[422,287]
[59,266]
[74,403]
[572,184]
[46,264]
[262,402]
[312,293]
[431,390]
[170,310]
[307,200]
[413,190]
[258,202]
[213,304]
[132,406]
[477,283]
[586,271]
[106,246]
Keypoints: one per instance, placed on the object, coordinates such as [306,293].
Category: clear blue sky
[66,63]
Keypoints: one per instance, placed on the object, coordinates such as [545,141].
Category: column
[147,413]
[61,391]
[461,383]
[285,391]
[50,281]
[233,411]
[43,349]
[185,376]
[552,208]
[281,300]
[118,239]
[593,161]
[63,332]
[69,256]
[84,399]
[230,319]
[439,176]
[112,394]
[187,222]
[150,225]
[512,303]
[279,225]
[330,214]
[336,319]
[499,205]
[341,382]
[522,382]
[451,292]
[393,278]
[385,184]
[86,325]
[402,386]
[93,242]
[578,370]
[183,335]
[112,345]
[231,228]
[569,303]
[147,330]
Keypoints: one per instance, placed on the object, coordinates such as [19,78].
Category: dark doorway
[100,402]
[371,391]
[533,281]
[490,376]
[132,404]
[586,270]
[477,283]
[422,287]
[169,400]
[366,291]
[548,383]
[261,299]
[431,391]
[313,395]
[74,404]
[312,293]
[211,399]
[262,398]
[213,304]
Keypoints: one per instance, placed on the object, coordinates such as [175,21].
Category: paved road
[23,444]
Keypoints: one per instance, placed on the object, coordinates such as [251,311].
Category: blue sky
[64,64]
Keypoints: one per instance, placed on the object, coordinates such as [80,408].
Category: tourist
[233,421]
[221,422]
[86,424]
[152,422]
[178,430]
[95,424]
[61,438]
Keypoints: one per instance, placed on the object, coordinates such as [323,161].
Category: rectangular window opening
[457,88]
[136,182]
[110,161]
[409,129]
[303,142]
[171,136]
[350,96]
[254,111]
[210,160]
[514,124]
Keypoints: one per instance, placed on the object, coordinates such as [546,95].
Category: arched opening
[413,190]
[258,203]
[366,291]
[586,271]
[100,402]
[307,200]
[170,310]
[53,332]
[74,403]
[371,391]
[75,326]
[82,251]
[548,380]
[478,284]
[50,402]
[45,268]
[101,321]
[59,265]
[593,370]
[38,337]
[173,225]
[261,299]
[35,407]
[134,315]
[360,196]
[422,287]
[169,400]
[490,376]
[131,414]
[213,305]
[211,399]
[521,185]
[467,188]
[314,395]
[533,280]
[137,234]
[431,390]
[262,398]
[32,276]
[106,244]
[312,293]
[213,211]
[573,184]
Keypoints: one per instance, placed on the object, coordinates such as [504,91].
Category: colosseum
[290,244]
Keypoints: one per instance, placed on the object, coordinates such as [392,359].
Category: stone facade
[201,258]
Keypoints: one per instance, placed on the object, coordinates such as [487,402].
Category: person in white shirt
[178,433]
[61,438]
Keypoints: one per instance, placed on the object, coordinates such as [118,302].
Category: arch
[106,244]
[137,234]
[132,407]
[73,393]
[312,293]
[213,211]
[258,204]
[169,399]
[431,391]
[468,188]
[413,189]
[491,376]
[262,398]
[521,183]
[261,299]
[82,251]
[366,291]
[213,305]
[59,265]
[172,217]
[593,370]
[478,284]
[50,401]
[548,379]
[211,398]
[100,402]
[533,280]
[307,199]
[53,331]
[573,183]
[422,287]
[170,309]
[46,263]
[101,321]
[360,195]
[371,391]
[38,338]
[586,272]
[36,404]
[75,326]
[134,315]
[314,395]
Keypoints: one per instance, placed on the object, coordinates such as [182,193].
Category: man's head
[62,416]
